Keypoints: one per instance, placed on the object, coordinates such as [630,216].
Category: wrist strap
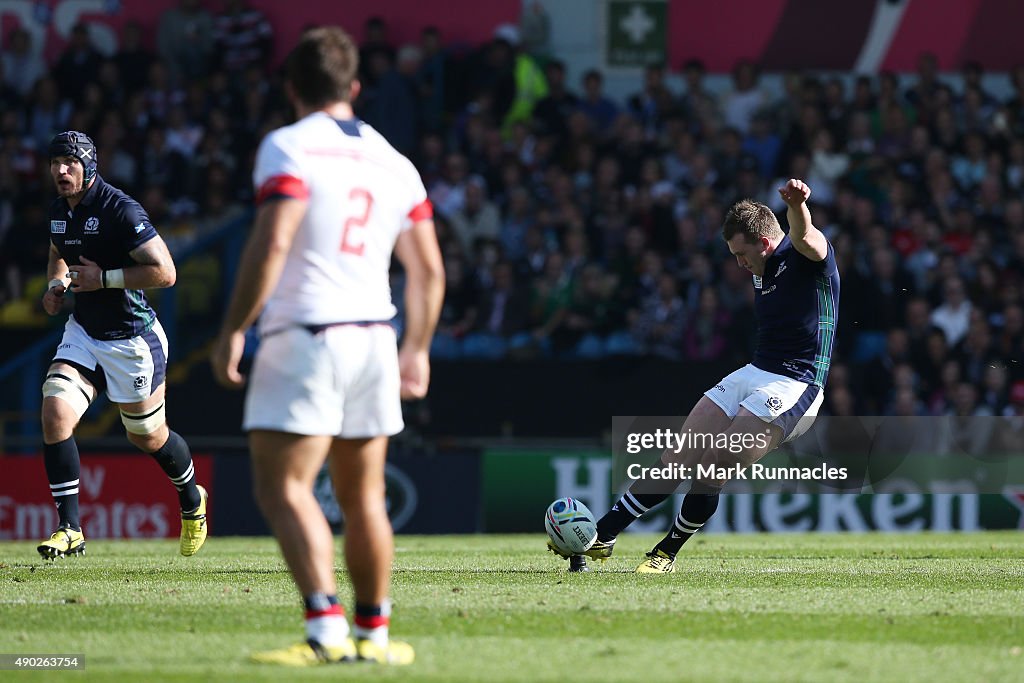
[112,278]
[56,281]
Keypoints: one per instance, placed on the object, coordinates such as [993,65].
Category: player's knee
[149,443]
[58,419]
[147,429]
[66,397]
[362,500]
[272,494]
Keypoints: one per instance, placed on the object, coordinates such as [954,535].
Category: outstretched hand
[795,193]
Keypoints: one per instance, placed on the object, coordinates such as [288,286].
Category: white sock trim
[330,630]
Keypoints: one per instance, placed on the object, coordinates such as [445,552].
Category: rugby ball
[570,525]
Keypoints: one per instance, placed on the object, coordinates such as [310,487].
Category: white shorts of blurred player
[778,400]
[341,381]
[132,368]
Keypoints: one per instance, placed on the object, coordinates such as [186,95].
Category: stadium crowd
[574,225]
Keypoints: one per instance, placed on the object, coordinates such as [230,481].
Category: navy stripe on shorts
[156,349]
[791,418]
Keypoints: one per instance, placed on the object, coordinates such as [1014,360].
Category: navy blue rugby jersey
[105,227]
[797,305]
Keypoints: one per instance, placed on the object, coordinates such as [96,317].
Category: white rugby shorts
[133,368]
[779,400]
[342,381]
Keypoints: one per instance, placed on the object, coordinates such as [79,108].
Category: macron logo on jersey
[58,227]
[782,267]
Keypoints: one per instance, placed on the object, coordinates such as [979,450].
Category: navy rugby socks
[175,459]
[62,471]
[626,509]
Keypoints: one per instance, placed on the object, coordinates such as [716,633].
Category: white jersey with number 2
[361,195]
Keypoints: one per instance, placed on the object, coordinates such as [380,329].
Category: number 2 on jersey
[352,240]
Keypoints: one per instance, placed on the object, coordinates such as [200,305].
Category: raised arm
[806,238]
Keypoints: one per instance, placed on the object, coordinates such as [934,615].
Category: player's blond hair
[751,219]
[322,66]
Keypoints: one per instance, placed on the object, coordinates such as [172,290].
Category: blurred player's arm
[262,261]
[420,255]
[259,270]
[806,238]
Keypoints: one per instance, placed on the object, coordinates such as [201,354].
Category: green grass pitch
[923,607]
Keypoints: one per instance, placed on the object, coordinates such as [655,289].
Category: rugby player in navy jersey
[104,249]
[796,303]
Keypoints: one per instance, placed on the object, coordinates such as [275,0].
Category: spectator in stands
[376,44]
[478,218]
[659,324]
[186,40]
[706,336]
[459,312]
[589,317]
[746,98]
[953,316]
[242,37]
[600,110]
[432,79]
[23,65]
[133,59]
[652,105]
[392,104]
[878,375]
[47,112]
[529,84]
[448,194]
[697,103]
[78,58]
[552,112]
[504,313]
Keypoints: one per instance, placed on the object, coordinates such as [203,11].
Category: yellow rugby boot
[309,653]
[396,653]
[62,542]
[657,562]
[194,527]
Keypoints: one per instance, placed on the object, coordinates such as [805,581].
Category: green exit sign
[637,32]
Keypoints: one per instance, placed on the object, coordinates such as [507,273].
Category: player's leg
[66,396]
[778,407]
[701,501]
[145,424]
[284,468]
[367,365]
[706,417]
[139,389]
[357,470]
[293,410]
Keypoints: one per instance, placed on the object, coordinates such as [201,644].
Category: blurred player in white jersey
[334,200]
